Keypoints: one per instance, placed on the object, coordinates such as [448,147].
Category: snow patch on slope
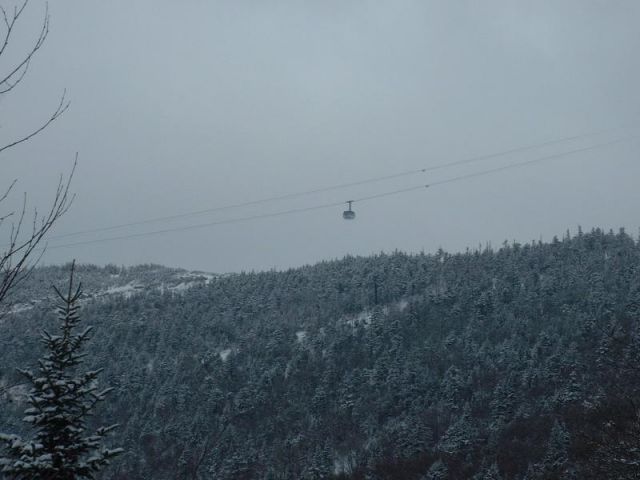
[16,393]
[362,318]
[22,307]
[224,354]
[112,285]
[125,290]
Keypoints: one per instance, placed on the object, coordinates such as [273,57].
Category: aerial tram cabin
[349,214]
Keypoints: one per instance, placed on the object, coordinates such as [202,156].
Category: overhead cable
[356,200]
[465,161]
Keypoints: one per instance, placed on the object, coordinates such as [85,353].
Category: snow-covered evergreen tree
[461,436]
[60,401]
[556,463]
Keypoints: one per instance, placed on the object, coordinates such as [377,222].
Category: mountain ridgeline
[515,363]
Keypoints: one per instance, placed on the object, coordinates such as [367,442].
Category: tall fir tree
[60,401]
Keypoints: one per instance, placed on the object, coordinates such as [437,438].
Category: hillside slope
[489,364]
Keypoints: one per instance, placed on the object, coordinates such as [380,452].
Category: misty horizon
[219,103]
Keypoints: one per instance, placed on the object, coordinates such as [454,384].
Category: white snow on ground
[125,290]
[200,276]
[189,280]
[363,318]
[17,393]
[181,287]
[192,279]
[21,307]
[208,277]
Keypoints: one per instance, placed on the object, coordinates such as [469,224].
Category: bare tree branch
[8,191]
[24,248]
[21,254]
[9,80]
[62,107]
[10,23]
[16,72]
[11,84]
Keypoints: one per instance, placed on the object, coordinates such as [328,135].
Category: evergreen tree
[555,463]
[61,400]
[461,436]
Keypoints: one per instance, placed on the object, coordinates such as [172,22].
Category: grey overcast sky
[183,106]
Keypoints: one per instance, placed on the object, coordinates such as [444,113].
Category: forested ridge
[512,363]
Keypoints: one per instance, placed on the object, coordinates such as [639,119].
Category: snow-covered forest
[516,363]
[287,142]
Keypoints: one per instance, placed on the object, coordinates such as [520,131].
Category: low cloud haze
[179,107]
